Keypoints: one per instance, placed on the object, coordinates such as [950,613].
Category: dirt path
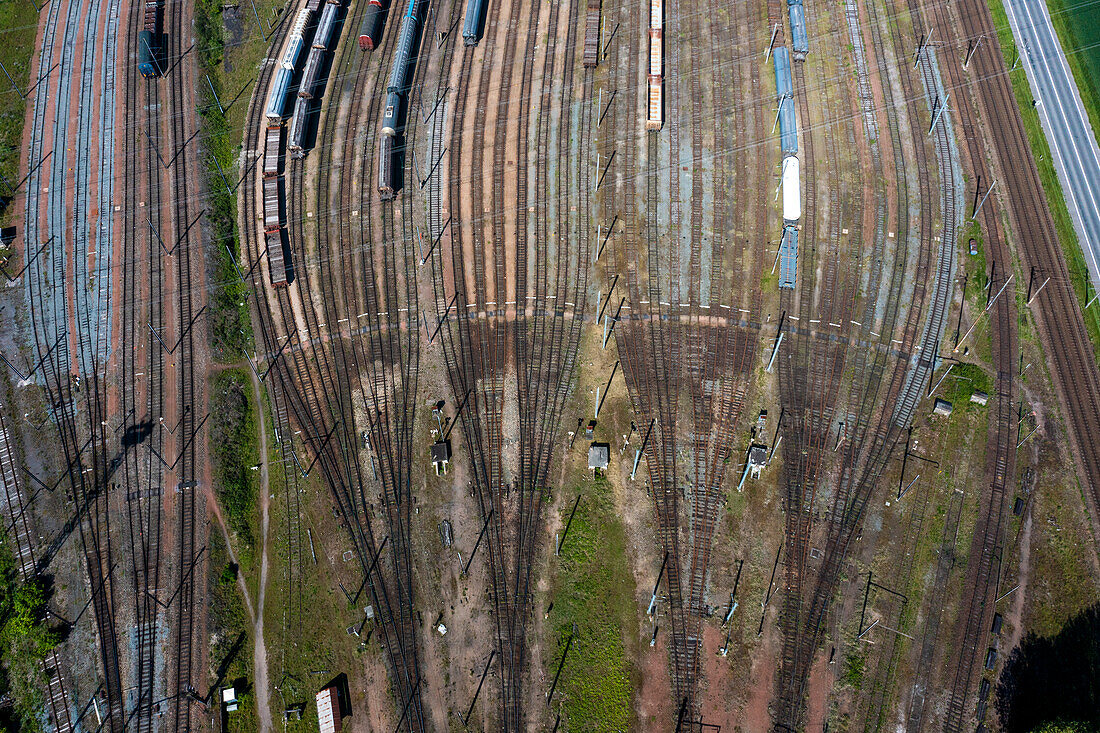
[259,650]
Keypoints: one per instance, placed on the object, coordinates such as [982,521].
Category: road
[1064,120]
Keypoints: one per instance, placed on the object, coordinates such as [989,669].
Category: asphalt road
[1064,120]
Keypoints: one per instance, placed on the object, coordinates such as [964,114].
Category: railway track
[141,372]
[45,282]
[988,542]
[189,505]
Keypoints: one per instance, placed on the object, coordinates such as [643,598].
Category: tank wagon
[402,63]
[474,22]
[592,34]
[370,30]
[799,42]
[655,109]
[149,40]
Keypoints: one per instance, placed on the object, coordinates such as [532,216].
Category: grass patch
[25,640]
[855,667]
[230,322]
[1067,236]
[230,638]
[965,380]
[235,447]
[18,27]
[594,596]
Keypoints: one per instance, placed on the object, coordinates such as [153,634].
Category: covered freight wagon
[277,97]
[474,21]
[788,126]
[782,60]
[799,43]
[788,258]
[385,168]
[299,121]
[325,25]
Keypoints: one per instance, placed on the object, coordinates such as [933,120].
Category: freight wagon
[149,41]
[792,196]
[402,63]
[592,34]
[371,28]
[272,220]
[385,168]
[272,146]
[299,122]
[654,111]
[799,43]
[473,24]
[276,260]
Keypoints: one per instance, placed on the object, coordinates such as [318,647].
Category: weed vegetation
[594,605]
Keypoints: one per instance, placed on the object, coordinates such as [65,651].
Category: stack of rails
[800,44]
[149,41]
[475,19]
[592,34]
[276,102]
[788,143]
[656,21]
[395,90]
[371,28]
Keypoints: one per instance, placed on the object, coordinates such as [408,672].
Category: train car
[385,168]
[325,25]
[313,5]
[147,55]
[792,195]
[788,127]
[800,45]
[276,261]
[472,24]
[276,98]
[308,83]
[781,57]
[296,132]
[271,205]
[592,34]
[788,258]
[371,28]
[272,151]
[654,113]
[402,60]
[296,40]
[149,41]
